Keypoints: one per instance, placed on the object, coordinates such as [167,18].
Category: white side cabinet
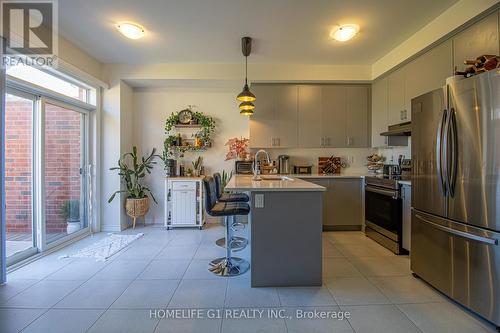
[406,195]
[184,202]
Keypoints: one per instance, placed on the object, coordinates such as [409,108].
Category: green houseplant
[224,179]
[70,211]
[197,164]
[132,170]
[204,135]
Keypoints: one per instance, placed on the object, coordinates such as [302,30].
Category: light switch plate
[259,201]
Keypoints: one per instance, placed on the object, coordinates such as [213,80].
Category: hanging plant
[171,148]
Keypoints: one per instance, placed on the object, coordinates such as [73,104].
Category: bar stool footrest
[238,243]
[229,266]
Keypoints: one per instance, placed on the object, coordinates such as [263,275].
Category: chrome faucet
[256,171]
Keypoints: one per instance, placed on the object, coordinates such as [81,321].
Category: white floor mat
[106,247]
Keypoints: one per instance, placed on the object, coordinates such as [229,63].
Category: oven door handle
[389,193]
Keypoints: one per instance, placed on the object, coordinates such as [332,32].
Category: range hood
[402,129]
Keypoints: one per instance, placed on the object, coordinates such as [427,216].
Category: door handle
[446,153]
[463,234]
[389,193]
[454,152]
[439,151]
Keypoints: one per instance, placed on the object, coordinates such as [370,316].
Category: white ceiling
[209,31]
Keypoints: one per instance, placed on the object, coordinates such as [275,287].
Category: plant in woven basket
[132,170]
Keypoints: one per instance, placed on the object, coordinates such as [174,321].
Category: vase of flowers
[237,148]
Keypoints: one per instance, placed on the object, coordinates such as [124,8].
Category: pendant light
[246,96]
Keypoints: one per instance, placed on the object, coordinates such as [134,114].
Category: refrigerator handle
[463,234]
[439,152]
[454,152]
[445,163]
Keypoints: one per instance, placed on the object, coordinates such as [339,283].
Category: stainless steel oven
[383,212]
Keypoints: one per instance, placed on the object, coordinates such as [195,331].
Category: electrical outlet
[259,201]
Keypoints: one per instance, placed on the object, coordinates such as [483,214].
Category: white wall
[79,58]
[151,108]
[110,152]
[127,135]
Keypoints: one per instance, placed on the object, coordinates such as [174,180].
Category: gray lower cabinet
[342,203]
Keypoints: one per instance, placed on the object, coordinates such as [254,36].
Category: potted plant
[197,165]
[224,179]
[132,170]
[238,148]
[70,211]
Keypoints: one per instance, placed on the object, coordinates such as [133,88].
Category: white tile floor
[168,269]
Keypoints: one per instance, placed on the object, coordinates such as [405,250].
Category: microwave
[244,167]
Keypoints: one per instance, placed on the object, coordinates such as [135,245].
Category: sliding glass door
[64,170]
[45,173]
[19,180]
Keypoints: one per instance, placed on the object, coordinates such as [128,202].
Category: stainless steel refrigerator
[456,191]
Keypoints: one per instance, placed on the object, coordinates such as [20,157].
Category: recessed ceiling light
[131,30]
[344,32]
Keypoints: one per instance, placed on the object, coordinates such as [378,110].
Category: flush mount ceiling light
[344,32]
[246,96]
[131,30]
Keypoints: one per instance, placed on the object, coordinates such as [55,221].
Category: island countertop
[244,183]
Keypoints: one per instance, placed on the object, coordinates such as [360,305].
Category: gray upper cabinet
[310,116]
[379,112]
[285,116]
[334,106]
[261,123]
[480,38]
[392,94]
[310,113]
[356,116]
[428,72]
[274,123]
[396,97]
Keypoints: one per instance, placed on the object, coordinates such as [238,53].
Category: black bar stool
[238,243]
[228,265]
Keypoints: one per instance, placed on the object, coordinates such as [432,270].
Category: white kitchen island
[286,230]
